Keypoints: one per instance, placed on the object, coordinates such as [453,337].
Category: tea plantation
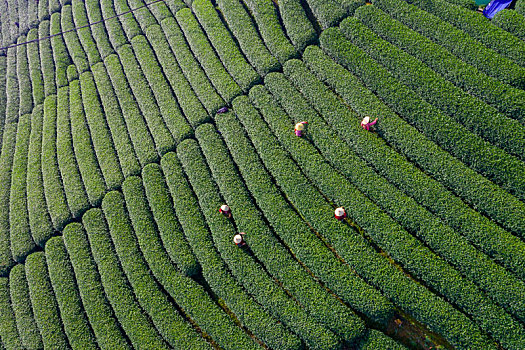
[125,125]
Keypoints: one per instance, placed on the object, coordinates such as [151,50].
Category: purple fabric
[495,6]
[223,110]
[298,133]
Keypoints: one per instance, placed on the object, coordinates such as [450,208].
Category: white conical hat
[299,126]
[237,239]
[225,207]
[339,212]
[366,120]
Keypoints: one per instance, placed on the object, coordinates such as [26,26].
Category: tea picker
[340,213]
[225,210]
[239,240]
[299,128]
[366,124]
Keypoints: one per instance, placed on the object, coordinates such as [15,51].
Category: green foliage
[298,27]
[177,332]
[241,25]
[169,228]
[189,102]
[45,307]
[143,143]
[505,98]
[478,117]
[169,109]
[279,263]
[500,285]
[139,329]
[456,41]
[39,219]
[72,73]
[53,188]
[175,5]
[191,68]
[221,39]
[60,53]
[83,149]
[520,7]
[72,41]
[478,27]
[485,234]
[23,16]
[357,252]
[377,340]
[54,6]
[20,234]
[143,16]
[101,318]
[100,134]
[391,238]
[24,81]
[12,88]
[128,21]
[510,21]
[12,7]
[161,10]
[32,14]
[488,197]
[80,18]
[247,270]
[468,4]
[35,71]
[252,315]
[77,199]
[303,272]
[116,34]
[4,26]
[115,119]
[164,141]
[329,12]
[209,61]
[308,248]
[3,98]
[265,16]
[98,30]
[65,287]
[8,332]
[189,295]
[46,58]
[6,159]
[21,303]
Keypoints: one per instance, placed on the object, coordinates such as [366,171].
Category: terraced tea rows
[125,126]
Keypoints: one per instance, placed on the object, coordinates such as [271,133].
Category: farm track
[114,161]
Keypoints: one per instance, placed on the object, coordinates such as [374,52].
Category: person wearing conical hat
[366,124]
[299,128]
[340,213]
[239,240]
[225,210]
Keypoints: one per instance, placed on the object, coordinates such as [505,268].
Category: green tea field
[126,126]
